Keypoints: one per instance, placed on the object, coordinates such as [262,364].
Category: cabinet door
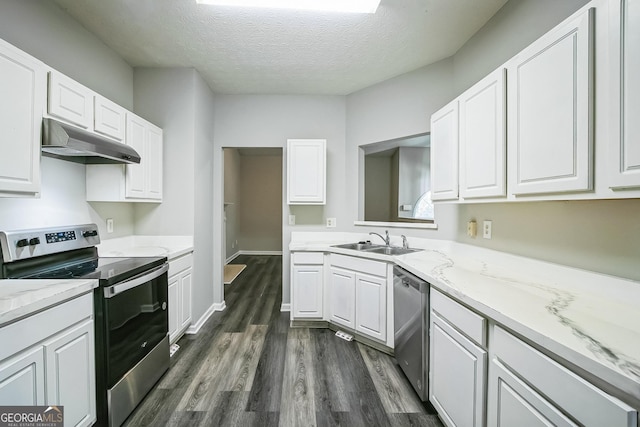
[110,118]
[22,86]
[457,376]
[153,162]
[550,117]
[174,308]
[342,297]
[185,299]
[483,171]
[444,153]
[371,306]
[624,161]
[135,174]
[307,291]
[70,101]
[306,171]
[70,360]
[512,402]
[22,378]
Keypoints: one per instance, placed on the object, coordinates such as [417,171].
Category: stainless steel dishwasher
[411,324]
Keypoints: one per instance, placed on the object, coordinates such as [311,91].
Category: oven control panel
[23,244]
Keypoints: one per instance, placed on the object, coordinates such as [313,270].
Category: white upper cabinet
[444,153]
[550,120]
[306,171]
[70,101]
[109,119]
[23,87]
[624,161]
[483,138]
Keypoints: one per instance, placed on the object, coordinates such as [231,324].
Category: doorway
[252,218]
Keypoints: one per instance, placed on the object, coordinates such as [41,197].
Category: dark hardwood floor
[246,367]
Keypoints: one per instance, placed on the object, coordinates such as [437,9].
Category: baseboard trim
[232,257]
[259,252]
[285,307]
[195,328]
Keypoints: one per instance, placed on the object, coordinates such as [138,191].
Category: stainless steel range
[130,308]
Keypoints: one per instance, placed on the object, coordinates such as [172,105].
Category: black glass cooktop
[108,270]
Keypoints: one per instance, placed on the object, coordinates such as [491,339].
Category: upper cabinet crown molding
[23,88]
[444,153]
[306,171]
[483,166]
[70,101]
[624,156]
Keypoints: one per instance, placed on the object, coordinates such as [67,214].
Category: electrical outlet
[292,220]
[486,229]
[331,222]
[472,228]
[109,225]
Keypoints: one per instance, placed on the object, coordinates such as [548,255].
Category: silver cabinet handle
[112,291]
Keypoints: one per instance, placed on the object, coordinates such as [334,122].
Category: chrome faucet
[387,240]
[405,242]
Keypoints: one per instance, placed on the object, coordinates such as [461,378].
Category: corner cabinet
[307,283]
[23,88]
[444,153]
[624,155]
[55,363]
[306,171]
[180,288]
[550,111]
[131,183]
[457,362]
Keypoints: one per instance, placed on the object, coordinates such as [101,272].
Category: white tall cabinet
[550,111]
[23,88]
[624,160]
[306,171]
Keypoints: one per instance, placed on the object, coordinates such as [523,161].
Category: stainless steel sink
[390,250]
[376,249]
[359,246]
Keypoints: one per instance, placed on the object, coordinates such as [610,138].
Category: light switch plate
[292,220]
[472,228]
[109,225]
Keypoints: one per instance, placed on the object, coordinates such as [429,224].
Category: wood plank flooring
[246,367]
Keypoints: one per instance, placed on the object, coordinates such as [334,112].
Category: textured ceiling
[282,51]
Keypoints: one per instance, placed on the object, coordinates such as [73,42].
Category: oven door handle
[112,291]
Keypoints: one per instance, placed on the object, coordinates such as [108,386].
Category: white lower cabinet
[180,284]
[358,295]
[457,365]
[529,388]
[54,364]
[307,279]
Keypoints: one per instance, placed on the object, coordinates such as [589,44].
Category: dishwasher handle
[409,279]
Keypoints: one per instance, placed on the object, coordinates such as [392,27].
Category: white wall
[231,196]
[268,121]
[178,100]
[41,29]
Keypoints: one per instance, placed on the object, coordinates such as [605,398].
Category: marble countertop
[589,319]
[139,246]
[24,297]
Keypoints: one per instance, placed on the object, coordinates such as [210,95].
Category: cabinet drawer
[468,322]
[307,258]
[586,403]
[359,264]
[180,264]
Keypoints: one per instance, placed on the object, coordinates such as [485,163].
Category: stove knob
[90,233]
[22,243]
[34,241]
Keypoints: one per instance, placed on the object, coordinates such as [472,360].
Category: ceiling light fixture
[347,6]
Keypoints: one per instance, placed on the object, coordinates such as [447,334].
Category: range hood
[66,142]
